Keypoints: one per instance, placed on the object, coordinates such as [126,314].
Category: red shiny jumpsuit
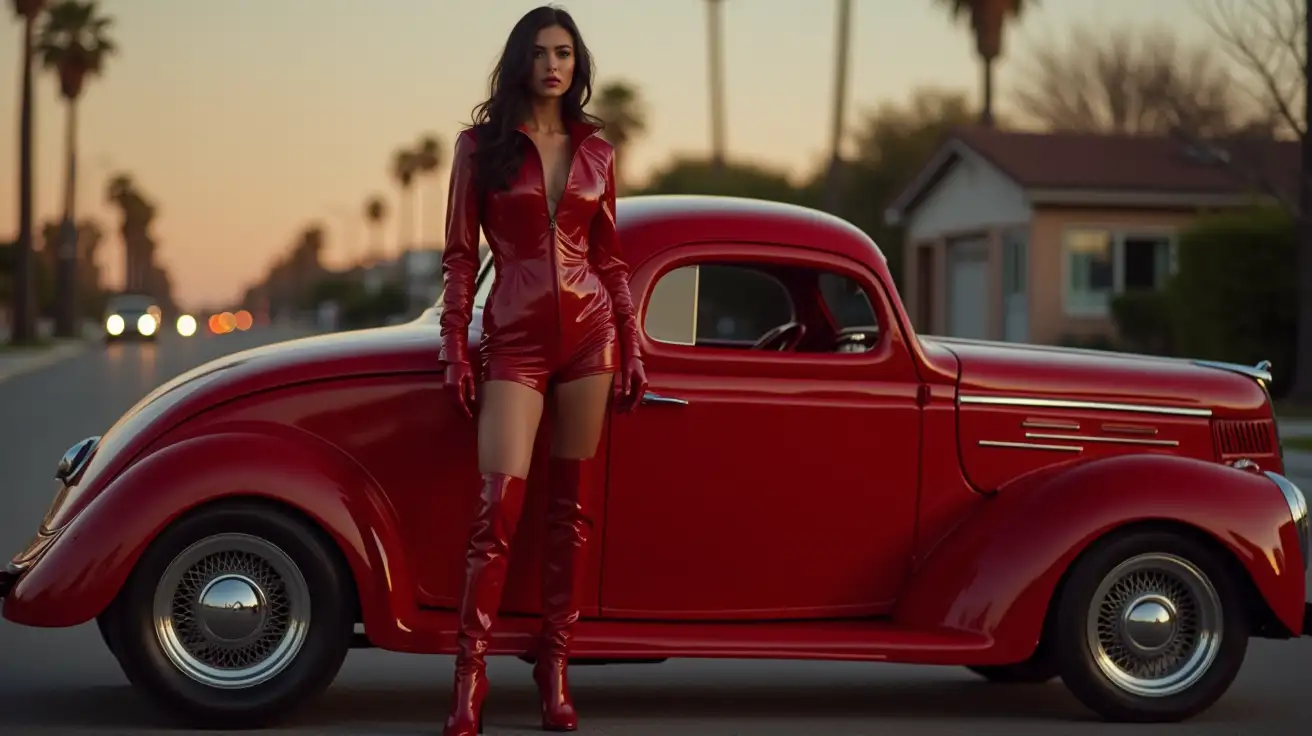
[560,306]
[559,310]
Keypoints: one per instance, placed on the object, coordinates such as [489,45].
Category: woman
[534,174]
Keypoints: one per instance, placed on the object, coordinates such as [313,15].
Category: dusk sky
[246,119]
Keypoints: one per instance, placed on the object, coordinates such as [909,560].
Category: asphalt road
[64,681]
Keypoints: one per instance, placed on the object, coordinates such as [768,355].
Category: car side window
[847,302]
[716,305]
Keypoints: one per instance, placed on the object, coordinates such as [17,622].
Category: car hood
[1072,374]
[1023,408]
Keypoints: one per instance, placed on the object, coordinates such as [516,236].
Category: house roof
[1057,164]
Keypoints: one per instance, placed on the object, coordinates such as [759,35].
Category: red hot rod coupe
[808,479]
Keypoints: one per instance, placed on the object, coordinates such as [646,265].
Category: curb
[45,359]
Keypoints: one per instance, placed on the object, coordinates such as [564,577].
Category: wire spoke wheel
[232,611]
[1154,626]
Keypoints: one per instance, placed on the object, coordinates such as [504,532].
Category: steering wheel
[856,339]
[782,338]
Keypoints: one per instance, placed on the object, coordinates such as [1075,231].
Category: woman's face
[553,62]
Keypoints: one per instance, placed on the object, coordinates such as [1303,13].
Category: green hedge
[1233,297]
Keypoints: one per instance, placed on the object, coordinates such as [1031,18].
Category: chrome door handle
[654,398]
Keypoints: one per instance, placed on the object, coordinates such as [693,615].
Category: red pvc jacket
[562,285]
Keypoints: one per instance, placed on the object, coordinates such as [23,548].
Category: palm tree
[73,43]
[404,168]
[987,19]
[24,318]
[619,106]
[138,248]
[428,161]
[375,211]
[714,43]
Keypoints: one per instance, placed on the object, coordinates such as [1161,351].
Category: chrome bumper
[1297,509]
[70,466]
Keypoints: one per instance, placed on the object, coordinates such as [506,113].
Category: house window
[1100,264]
[1089,271]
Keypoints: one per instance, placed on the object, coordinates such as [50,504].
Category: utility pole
[715,57]
[1301,389]
[833,189]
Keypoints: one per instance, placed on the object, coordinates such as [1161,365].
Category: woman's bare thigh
[508,418]
[578,414]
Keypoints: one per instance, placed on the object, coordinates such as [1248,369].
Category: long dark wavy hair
[501,150]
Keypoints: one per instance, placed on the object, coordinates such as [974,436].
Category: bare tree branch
[1242,156]
[1131,80]
[1265,38]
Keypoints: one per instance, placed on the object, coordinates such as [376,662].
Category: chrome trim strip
[1129,429]
[1297,510]
[1260,372]
[1180,411]
[1030,446]
[1039,424]
[1105,440]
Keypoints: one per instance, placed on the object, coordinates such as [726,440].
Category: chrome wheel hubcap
[232,611]
[1154,627]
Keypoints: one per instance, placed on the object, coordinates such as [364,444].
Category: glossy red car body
[919,501]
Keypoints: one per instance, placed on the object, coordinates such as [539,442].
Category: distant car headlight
[114,325]
[186,325]
[146,325]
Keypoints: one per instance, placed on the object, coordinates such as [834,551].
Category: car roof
[131,299]
[650,224]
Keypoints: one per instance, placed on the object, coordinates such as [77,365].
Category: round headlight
[186,325]
[114,325]
[146,325]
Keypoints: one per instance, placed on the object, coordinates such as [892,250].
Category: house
[1027,237]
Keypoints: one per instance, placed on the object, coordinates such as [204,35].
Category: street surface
[64,681]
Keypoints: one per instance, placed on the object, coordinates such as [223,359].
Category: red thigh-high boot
[567,530]
[485,572]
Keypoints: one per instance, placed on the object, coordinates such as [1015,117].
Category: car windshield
[130,303]
[483,282]
[486,274]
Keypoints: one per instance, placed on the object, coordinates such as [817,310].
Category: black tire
[221,540]
[102,623]
[1034,671]
[1189,576]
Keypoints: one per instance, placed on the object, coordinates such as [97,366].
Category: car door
[758,484]
[428,461]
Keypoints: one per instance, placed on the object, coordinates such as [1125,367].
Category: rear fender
[86,566]
[996,574]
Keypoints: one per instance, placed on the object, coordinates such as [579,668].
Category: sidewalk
[16,361]
[1294,427]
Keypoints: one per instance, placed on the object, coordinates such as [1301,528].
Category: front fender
[996,573]
[87,565]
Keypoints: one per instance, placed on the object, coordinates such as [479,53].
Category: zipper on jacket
[551,222]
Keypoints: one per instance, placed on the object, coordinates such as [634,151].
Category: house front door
[1015,287]
[968,288]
